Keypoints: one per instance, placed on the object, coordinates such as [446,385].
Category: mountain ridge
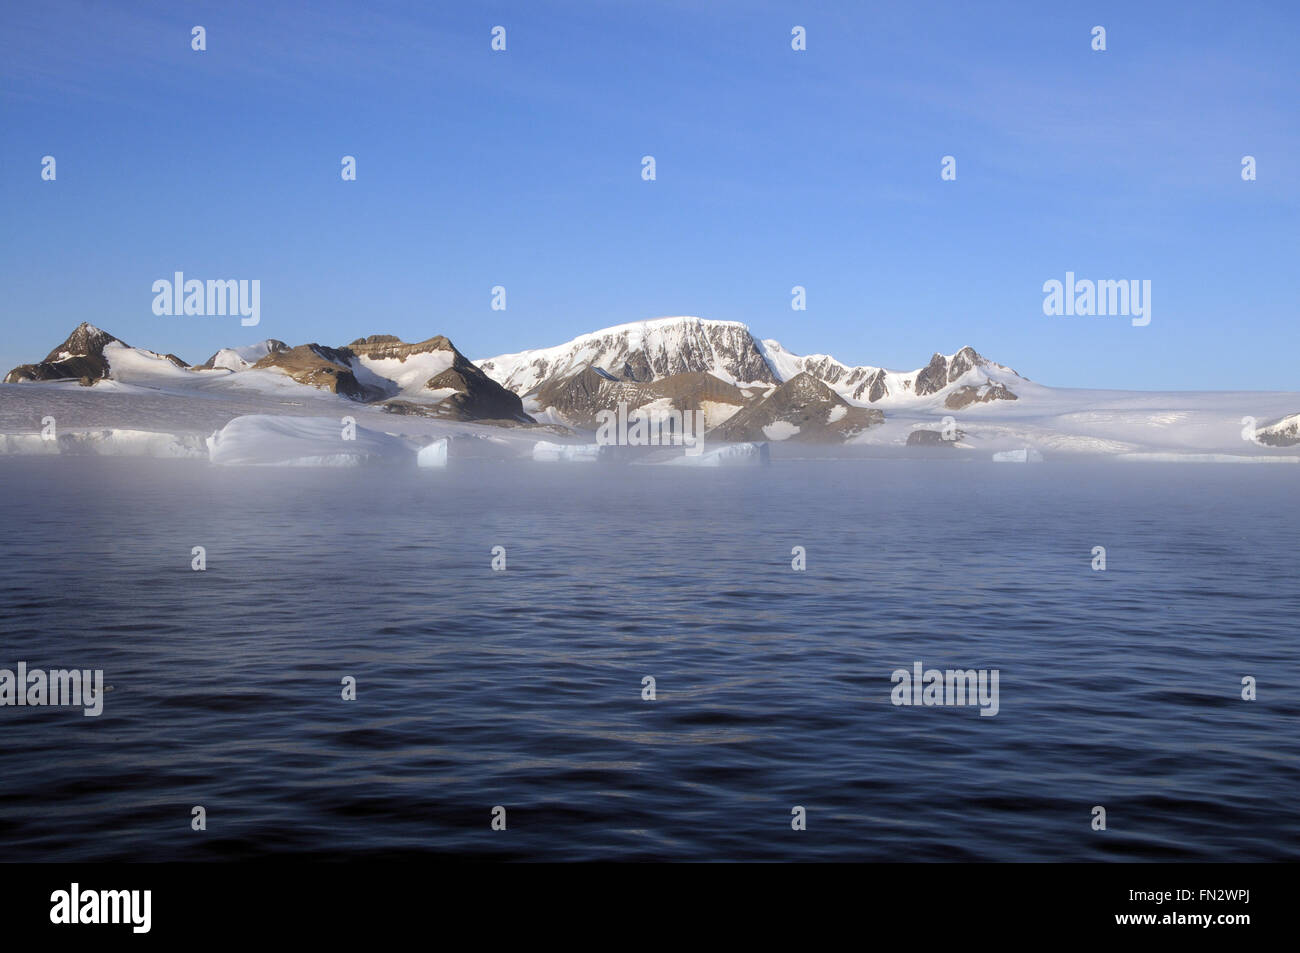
[664,366]
[556,384]
[431,377]
[681,363]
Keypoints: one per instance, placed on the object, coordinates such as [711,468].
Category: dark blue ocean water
[522,688]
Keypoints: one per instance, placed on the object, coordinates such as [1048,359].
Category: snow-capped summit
[966,371]
[570,382]
[649,351]
[643,351]
[242,358]
[84,356]
[717,368]
[746,389]
[86,340]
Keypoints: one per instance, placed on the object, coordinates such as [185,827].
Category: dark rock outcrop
[967,394]
[580,398]
[932,438]
[804,402]
[80,356]
[318,366]
[476,397]
[933,377]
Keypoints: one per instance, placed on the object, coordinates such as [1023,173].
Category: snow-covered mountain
[1280,433]
[428,378]
[242,358]
[84,357]
[643,351]
[747,389]
[556,383]
[803,409]
[971,376]
[414,377]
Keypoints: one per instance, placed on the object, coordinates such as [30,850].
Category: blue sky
[775,168]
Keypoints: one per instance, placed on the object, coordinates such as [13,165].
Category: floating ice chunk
[1025,455]
[566,452]
[115,442]
[729,455]
[434,455]
[27,443]
[269,440]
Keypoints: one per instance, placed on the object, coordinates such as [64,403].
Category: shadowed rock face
[803,402]
[381,339]
[932,438]
[941,372]
[318,366]
[933,377]
[476,397]
[964,360]
[968,394]
[578,399]
[864,384]
[390,346]
[826,368]
[80,356]
[873,388]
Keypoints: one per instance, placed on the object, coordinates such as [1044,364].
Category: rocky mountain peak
[79,357]
[86,340]
[804,409]
[390,346]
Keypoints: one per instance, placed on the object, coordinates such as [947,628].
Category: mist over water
[522,688]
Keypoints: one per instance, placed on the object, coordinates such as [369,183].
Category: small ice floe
[434,455]
[269,440]
[729,455]
[566,452]
[1023,455]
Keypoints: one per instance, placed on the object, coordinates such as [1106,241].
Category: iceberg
[114,442]
[434,455]
[566,452]
[730,455]
[1024,455]
[270,440]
